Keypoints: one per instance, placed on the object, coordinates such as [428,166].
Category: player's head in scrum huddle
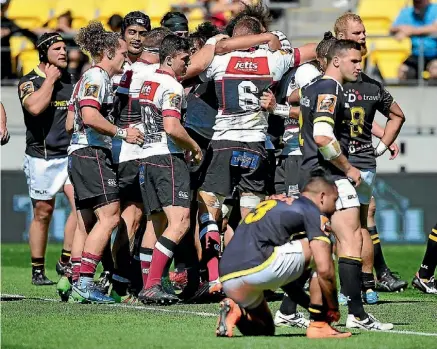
[106,48]
[175,54]
[344,60]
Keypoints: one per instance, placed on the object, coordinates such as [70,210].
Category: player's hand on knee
[134,136]
[354,175]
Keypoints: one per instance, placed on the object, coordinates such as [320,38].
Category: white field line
[197,313]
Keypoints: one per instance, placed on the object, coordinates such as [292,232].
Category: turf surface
[50,324]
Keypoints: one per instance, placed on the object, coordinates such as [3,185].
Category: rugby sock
[38,265]
[349,270]
[162,255]
[367,281]
[317,312]
[210,240]
[75,263]
[65,256]
[88,266]
[288,306]
[429,263]
[379,261]
[146,259]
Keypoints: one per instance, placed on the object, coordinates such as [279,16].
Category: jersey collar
[330,77]
[40,72]
[160,71]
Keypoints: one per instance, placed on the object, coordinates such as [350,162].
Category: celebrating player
[91,168]
[261,257]
[44,95]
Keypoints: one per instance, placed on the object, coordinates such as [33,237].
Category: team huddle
[245,162]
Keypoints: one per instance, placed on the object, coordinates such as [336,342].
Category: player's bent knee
[250,201]
[43,211]
[372,208]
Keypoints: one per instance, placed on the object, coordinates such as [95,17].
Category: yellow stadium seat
[82,11]
[389,54]
[122,8]
[18,44]
[157,10]
[31,13]
[378,15]
[28,60]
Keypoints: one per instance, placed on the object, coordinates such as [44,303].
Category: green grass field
[51,324]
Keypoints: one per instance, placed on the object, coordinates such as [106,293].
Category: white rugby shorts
[347,195]
[287,264]
[45,178]
[365,190]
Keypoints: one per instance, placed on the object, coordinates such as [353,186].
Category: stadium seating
[378,15]
[82,11]
[31,14]
[27,60]
[388,54]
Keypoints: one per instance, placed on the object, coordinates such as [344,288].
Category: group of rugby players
[173,138]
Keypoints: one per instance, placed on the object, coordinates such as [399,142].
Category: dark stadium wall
[406,208]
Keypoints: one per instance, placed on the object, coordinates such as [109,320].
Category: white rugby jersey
[240,78]
[92,90]
[130,116]
[116,79]
[161,96]
[304,75]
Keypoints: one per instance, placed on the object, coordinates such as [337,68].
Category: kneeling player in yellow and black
[261,257]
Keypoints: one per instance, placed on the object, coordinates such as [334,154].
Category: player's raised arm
[244,42]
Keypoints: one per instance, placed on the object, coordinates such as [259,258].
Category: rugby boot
[293,320]
[63,287]
[229,315]
[424,285]
[157,295]
[370,297]
[40,279]
[61,268]
[390,282]
[90,294]
[321,329]
[167,285]
[129,298]
[370,323]
[104,282]
[179,279]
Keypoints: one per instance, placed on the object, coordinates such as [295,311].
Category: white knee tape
[214,200]
[251,201]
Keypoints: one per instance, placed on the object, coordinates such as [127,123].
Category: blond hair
[340,25]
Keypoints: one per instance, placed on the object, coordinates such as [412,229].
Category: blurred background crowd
[402,34]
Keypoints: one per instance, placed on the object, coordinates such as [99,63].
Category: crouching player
[261,257]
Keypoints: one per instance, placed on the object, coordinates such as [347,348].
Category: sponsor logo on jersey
[305,101]
[59,104]
[175,101]
[183,195]
[248,66]
[326,103]
[112,182]
[26,88]
[148,90]
[353,95]
[91,90]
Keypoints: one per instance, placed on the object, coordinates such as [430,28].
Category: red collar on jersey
[143,61]
[160,71]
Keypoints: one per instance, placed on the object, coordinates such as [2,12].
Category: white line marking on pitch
[198,313]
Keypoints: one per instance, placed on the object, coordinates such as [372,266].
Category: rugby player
[288,163]
[44,94]
[424,278]
[4,134]
[239,157]
[91,169]
[324,136]
[366,96]
[177,22]
[261,257]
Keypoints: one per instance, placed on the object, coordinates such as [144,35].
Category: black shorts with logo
[164,181]
[287,175]
[128,181]
[93,176]
[198,171]
[241,165]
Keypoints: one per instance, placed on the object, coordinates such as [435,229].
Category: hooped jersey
[117,78]
[240,79]
[364,96]
[321,101]
[272,223]
[94,89]
[128,107]
[161,96]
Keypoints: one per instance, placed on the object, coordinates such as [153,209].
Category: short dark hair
[247,26]
[203,32]
[317,183]
[171,46]
[115,21]
[339,46]
[257,11]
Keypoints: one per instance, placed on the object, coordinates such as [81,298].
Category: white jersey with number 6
[240,78]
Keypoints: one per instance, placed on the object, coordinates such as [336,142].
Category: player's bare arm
[179,135]
[396,119]
[268,102]
[307,52]
[92,118]
[245,42]
[69,122]
[321,252]
[4,134]
[36,102]
[378,131]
